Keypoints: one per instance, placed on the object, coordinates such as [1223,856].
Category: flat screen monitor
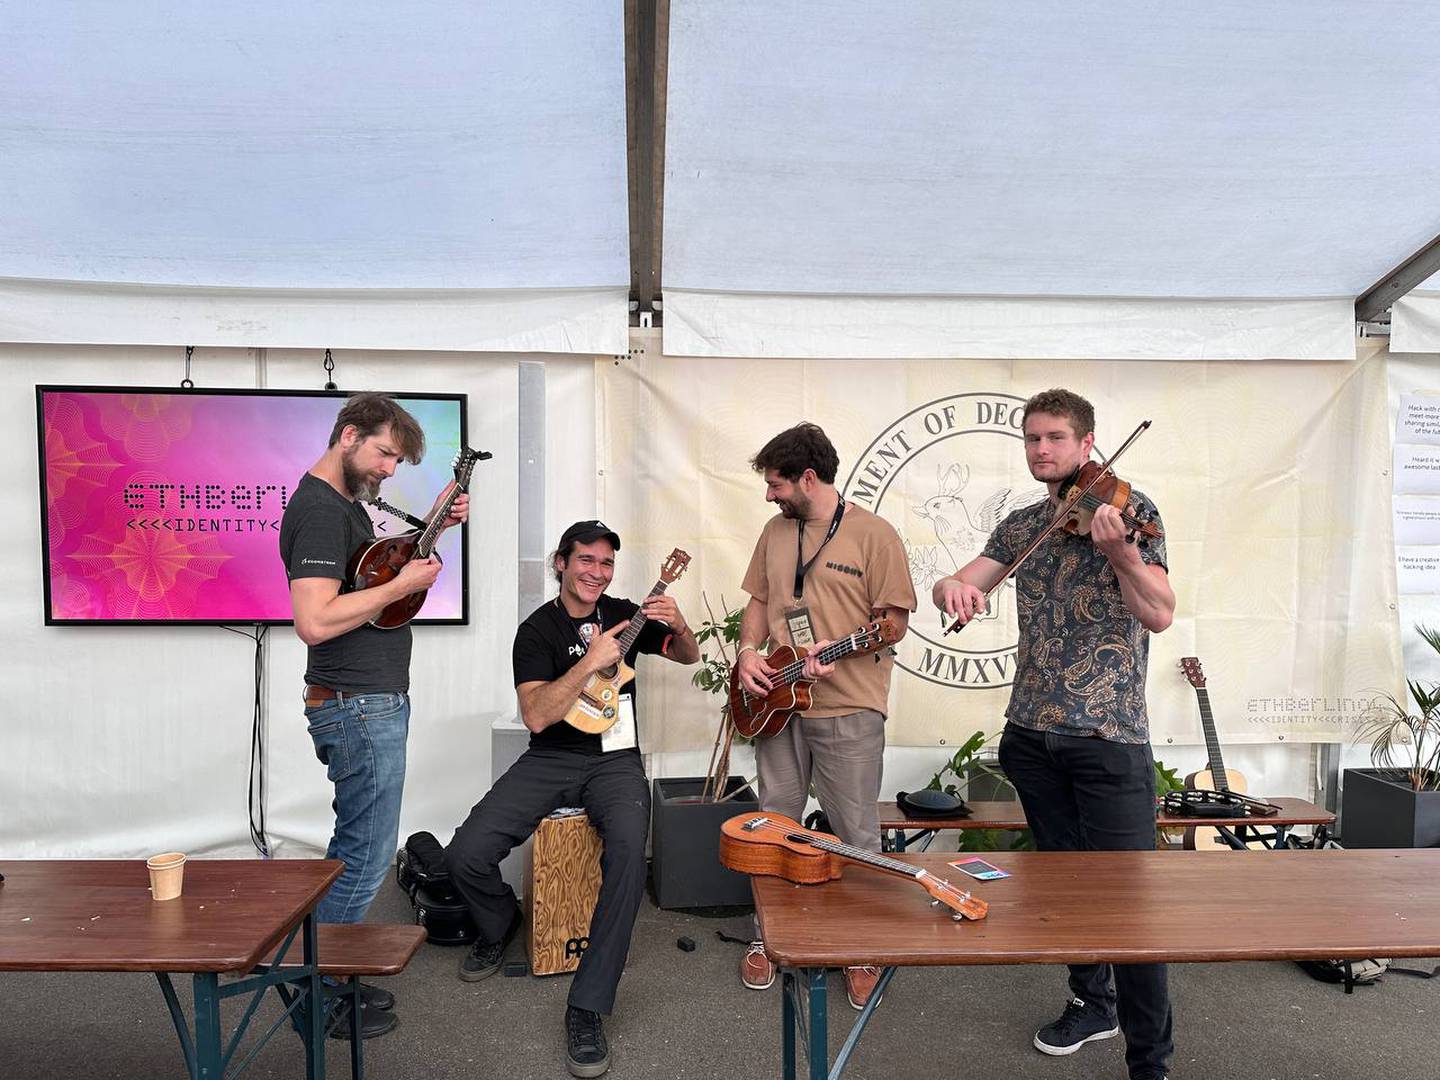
[164,505]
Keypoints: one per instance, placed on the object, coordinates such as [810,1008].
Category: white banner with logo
[1271,479]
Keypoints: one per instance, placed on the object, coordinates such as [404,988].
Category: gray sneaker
[1078,1025]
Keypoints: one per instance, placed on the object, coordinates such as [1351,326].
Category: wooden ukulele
[598,706]
[776,846]
[761,717]
[381,561]
[1215,778]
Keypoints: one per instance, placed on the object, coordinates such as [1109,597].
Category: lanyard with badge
[797,617]
[622,734]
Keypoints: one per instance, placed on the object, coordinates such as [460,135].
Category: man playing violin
[1076,743]
[821,568]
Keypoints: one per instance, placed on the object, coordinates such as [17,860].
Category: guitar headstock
[959,901]
[874,636]
[674,566]
[464,464]
[1190,665]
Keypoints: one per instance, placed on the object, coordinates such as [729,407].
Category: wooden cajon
[562,879]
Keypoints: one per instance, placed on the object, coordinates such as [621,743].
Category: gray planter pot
[1379,812]
[685,843]
[983,787]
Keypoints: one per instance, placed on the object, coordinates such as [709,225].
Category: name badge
[802,634]
[621,734]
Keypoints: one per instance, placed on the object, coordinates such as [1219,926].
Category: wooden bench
[351,950]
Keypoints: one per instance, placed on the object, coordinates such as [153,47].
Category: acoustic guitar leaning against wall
[1215,776]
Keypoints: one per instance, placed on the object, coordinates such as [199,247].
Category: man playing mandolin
[1076,742]
[357,676]
[821,568]
[557,649]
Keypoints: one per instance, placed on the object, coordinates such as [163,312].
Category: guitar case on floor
[422,875]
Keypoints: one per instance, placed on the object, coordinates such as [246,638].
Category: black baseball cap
[587,532]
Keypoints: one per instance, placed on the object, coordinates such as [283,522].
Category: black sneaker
[373,997]
[373,1022]
[586,1051]
[484,957]
[1078,1025]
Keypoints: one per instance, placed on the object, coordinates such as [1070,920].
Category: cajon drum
[562,884]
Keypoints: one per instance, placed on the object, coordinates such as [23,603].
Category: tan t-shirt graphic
[862,568]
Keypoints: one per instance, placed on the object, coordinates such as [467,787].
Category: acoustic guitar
[381,561]
[775,846]
[1215,778]
[758,717]
[598,706]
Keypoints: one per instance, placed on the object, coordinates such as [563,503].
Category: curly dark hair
[804,446]
[1066,403]
[367,413]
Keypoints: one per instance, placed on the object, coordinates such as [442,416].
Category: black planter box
[685,843]
[984,786]
[1378,812]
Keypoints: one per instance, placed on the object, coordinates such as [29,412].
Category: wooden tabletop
[97,915]
[1009,815]
[1118,907]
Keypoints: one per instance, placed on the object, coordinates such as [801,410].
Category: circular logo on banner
[942,474]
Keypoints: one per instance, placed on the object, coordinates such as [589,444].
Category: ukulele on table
[598,706]
[775,846]
[1215,778]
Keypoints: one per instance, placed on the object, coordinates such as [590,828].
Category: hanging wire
[330,371]
[186,383]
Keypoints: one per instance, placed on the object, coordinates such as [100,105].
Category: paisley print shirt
[1081,665]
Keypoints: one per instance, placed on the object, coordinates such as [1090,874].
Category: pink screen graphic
[165,506]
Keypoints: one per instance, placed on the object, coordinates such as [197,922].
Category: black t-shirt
[319,533]
[549,643]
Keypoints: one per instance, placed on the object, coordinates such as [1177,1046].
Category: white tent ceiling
[315,146]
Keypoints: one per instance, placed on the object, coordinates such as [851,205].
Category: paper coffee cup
[167,874]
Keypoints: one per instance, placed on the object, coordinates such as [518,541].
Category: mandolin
[380,561]
[774,846]
[597,708]
[1215,778]
[761,717]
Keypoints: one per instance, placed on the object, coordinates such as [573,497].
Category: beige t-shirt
[862,568]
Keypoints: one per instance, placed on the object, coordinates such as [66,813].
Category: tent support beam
[647,53]
[1398,282]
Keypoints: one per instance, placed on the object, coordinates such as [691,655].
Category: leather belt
[318,695]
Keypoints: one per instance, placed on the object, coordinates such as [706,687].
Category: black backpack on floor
[423,876]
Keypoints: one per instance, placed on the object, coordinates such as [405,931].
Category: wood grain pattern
[562,885]
[97,915]
[1009,815]
[346,949]
[1119,907]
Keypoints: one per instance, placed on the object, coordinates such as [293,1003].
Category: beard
[796,508]
[358,484]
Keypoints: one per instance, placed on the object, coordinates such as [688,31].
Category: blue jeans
[360,738]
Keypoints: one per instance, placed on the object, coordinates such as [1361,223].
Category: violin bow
[1072,501]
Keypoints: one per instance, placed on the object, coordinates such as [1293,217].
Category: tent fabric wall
[1245,461]
[1415,323]
[120,741]
[704,323]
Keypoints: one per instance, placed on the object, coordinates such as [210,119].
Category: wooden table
[62,915]
[1093,907]
[1239,833]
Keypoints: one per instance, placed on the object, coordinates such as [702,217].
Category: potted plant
[687,811]
[1397,803]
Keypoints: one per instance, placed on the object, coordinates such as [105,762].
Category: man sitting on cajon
[557,648]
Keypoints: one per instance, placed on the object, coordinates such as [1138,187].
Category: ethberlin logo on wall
[948,457]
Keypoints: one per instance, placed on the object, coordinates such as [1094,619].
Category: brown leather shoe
[860,984]
[756,970]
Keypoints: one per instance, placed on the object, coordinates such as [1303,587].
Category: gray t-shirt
[1081,668]
[320,532]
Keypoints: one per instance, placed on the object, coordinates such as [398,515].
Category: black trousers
[1090,794]
[614,792]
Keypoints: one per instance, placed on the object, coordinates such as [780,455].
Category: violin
[1101,487]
